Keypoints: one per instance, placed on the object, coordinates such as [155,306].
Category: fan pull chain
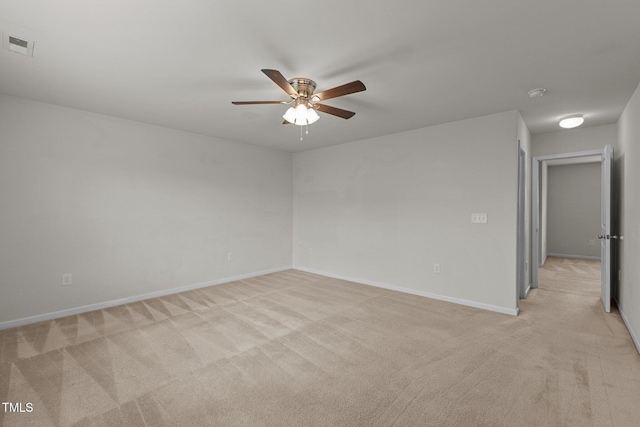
[300,133]
[307,129]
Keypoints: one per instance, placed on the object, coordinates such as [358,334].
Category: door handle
[600,236]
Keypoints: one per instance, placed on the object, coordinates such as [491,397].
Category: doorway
[539,170]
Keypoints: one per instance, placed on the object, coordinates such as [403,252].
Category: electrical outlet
[67,279]
[436,268]
[230,256]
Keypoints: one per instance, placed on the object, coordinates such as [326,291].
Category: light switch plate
[479,218]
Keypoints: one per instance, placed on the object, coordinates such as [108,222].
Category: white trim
[589,153]
[595,258]
[526,292]
[535,220]
[101,305]
[634,337]
[521,234]
[474,304]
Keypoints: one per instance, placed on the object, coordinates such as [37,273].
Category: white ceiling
[180,63]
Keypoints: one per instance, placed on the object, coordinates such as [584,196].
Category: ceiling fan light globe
[312,116]
[301,115]
[290,115]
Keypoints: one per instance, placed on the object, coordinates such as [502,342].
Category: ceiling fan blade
[335,111]
[280,80]
[345,89]
[256,102]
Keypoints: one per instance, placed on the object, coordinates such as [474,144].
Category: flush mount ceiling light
[572,121]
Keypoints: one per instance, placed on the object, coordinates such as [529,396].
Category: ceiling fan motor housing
[304,87]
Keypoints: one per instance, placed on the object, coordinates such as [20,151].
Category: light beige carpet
[296,349]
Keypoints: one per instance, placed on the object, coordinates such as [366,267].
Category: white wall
[386,209]
[573,211]
[129,208]
[627,165]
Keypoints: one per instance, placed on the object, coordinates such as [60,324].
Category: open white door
[605,227]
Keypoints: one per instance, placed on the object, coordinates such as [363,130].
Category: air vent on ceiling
[17,44]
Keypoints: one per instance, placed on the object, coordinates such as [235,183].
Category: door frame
[523,288]
[536,163]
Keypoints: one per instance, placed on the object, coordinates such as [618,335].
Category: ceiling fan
[304,102]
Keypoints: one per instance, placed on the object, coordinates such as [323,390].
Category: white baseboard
[101,305]
[542,261]
[475,304]
[634,337]
[526,292]
[596,258]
